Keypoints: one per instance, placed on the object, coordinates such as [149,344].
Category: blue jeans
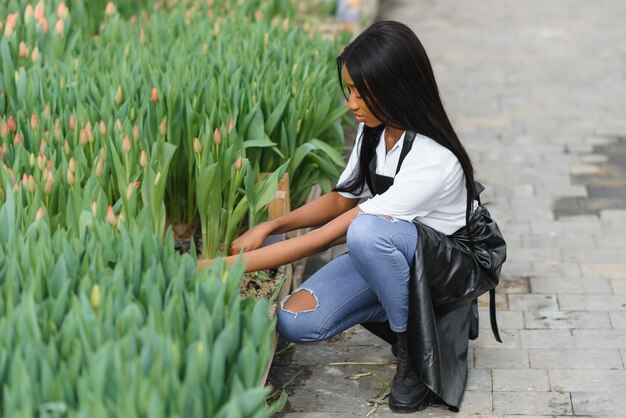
[367,284]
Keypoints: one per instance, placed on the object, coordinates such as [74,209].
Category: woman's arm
[296,248]
[317,212]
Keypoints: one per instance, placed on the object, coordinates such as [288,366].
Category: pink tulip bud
[66,147]
[15,187]
[32,184]
[155,95]
[57,133]
[118,96]
[8,31]
[136,133]
[129,191]
[48,186]
[46,112]
[111,216]
[88,127]
[39,214]
[103,129]
[103,153]
[44,24]
[84,140]
[42,146]
[72,165]
[99,169]
[34,122]
[4,130]
[59,27]
[70,177]
[217,136]
[24,180]
[197,146]
[110,9]
[231,125]
[17,139]
[163,128]
[143,159]
[62,11]
[142,36]
[126,144]
[39,10]
[32,160]
[72,123]
[258,14]
[11,124]
[239,163]
[23,50]
[118,124]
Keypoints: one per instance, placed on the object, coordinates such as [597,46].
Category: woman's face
[357,105]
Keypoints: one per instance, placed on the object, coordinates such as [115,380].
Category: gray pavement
[537,90]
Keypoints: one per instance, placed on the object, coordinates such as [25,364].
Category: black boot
[408,393]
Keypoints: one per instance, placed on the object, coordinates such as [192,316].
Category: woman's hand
[251,239]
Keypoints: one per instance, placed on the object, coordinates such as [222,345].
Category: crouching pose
[420,248]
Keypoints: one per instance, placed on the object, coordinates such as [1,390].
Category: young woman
[417,183]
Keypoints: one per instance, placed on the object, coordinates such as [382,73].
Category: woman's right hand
[251,239]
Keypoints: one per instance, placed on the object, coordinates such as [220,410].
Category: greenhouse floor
[537,91]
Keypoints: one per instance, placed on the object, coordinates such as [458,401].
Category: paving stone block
[599,339]
[593,302]
[528,403]
[575,359]
[586,380]
[602,255]
[618,320]
[619,286]
[612,404]
[479,380]
[570,285]
[510,339]
[532,254]
[552,268]
[520,380]
[526,302]
[550,319]
[512,284]
[608,270]
[477,403]
[506,320]
[493,358]
[546,339]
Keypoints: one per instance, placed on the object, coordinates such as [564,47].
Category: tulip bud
[258,14]
[99,169]
[39,214]
[94,297]
[155,95]
[110,9]
[216,29]
[32,185]
[118,96]
[103,153]
[39,10]
[11,124]
[231,125]
[57,133]
[217,136]
[31,160]
[163,128]
[111,216]
[197,146]
[103,129]
[70,177]
[72,165]
[59,27]
[88,127]
[42,144]
[142,36]
[143,159]
[25,180]
[72,123]
[136,133]
[84,140]
[35,55]
[238,163]
[126,144]
[8,31]
[44,24]
[62,11]
[41,162]
[4,130]
[34,122]
[118,124]
[28,14]
[66,147]
[23,50]
[48,186]
[129,191]
[17,139]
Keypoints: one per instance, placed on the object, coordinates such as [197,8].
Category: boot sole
[419,405]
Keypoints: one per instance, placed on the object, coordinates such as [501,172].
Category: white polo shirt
[429,187]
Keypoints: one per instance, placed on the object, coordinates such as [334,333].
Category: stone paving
[537,90]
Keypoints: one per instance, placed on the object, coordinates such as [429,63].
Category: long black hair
[393,75]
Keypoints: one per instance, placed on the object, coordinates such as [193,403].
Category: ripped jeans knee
[297,321]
